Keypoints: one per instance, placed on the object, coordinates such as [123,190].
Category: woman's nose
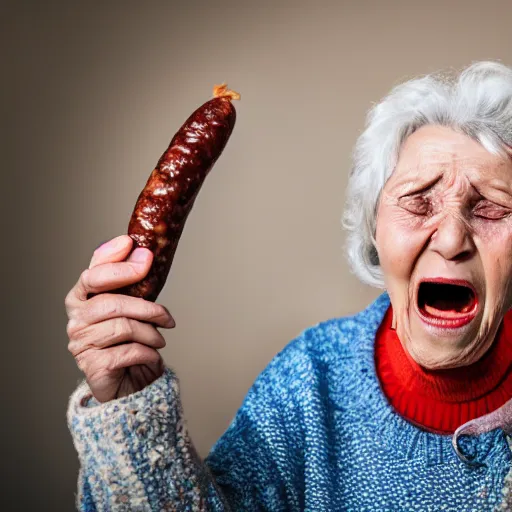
[452,239]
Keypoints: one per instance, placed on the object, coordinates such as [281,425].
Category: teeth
[439,313]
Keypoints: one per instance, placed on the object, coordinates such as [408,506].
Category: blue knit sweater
[314,433]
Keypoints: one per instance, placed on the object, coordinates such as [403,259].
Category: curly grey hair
[478,103]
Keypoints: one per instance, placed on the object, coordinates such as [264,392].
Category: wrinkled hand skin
[114,338]
[165,202]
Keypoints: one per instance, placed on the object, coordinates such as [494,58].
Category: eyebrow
[415,185]
[494,187]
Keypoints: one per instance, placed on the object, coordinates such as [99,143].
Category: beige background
[94,91]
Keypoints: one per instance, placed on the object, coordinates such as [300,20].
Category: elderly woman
[403,406]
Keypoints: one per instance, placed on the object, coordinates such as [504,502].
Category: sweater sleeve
[136,455]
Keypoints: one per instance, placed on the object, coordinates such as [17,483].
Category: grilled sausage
[163,205]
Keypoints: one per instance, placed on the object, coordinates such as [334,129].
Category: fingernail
[139,255]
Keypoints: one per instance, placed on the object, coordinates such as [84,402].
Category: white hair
[478,103]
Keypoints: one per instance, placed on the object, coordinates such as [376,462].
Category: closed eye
[416,204]
[491,211]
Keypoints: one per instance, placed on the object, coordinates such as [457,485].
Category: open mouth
[447,303]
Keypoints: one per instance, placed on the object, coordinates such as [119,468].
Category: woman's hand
[113,337]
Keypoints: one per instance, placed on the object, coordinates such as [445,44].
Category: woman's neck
[442,400]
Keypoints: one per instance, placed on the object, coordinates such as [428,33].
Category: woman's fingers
[114,337]
[116,249]
[112,332]
[95,363]
[109,371]
[112,275]
[113,305]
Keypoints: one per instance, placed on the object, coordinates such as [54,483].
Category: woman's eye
[415,204]
[491,211]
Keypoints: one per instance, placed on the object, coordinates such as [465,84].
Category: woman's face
[444,239]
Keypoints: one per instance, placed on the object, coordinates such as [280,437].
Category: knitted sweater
[314,433]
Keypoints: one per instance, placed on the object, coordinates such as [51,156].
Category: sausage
[163,205]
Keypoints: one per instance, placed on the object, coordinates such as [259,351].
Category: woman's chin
[435,346]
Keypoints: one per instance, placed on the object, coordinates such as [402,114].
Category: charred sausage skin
[165,202]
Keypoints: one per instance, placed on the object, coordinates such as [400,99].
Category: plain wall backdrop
[92,94]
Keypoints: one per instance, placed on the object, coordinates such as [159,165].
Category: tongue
[443,309]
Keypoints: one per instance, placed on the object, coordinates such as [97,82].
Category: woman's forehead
[433,151]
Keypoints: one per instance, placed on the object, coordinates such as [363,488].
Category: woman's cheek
[494,245]
[399,240]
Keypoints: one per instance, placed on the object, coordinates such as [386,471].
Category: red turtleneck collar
[442,400]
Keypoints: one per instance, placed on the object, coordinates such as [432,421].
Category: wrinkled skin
[446,211]
[114,338]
